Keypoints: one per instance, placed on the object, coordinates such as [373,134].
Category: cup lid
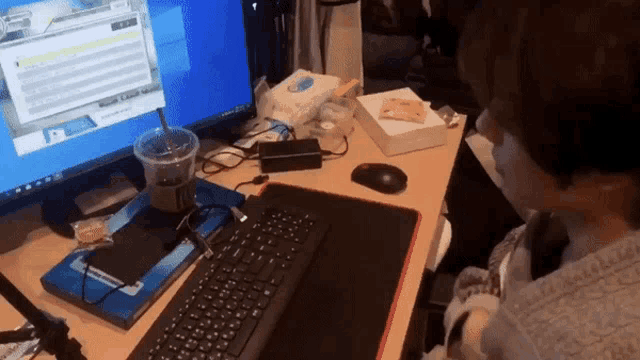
[154,147]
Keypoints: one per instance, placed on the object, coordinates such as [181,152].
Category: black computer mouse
[384,178]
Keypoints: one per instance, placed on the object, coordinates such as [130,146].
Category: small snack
[403,110]
[93,233]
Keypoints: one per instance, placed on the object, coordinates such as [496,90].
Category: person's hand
[469,347]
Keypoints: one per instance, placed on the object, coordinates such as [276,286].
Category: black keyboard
[231,302]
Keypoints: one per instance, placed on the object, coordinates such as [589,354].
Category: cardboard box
[396,137]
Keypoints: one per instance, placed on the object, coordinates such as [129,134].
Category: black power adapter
[289,155]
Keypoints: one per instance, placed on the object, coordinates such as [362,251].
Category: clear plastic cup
[169,167]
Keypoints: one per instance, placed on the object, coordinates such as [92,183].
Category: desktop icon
[47,179]
[57,176]
[18,190]
[27,188]
[39,183]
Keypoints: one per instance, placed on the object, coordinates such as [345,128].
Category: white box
[396,137]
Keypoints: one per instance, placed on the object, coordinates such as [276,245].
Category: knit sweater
[587,309]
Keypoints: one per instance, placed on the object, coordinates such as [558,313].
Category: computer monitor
[81,79]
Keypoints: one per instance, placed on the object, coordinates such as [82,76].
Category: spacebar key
[235,348]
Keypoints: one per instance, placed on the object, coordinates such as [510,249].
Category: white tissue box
[396,137]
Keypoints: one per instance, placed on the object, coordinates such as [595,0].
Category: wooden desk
[428,171]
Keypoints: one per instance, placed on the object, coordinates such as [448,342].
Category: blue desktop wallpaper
[202,58]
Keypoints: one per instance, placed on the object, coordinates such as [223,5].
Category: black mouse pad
[341,305]
[138,246]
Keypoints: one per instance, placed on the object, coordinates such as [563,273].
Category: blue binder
[125,306]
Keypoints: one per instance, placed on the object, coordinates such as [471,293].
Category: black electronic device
[384,178]
[52,332]
[290,155]
[230,304]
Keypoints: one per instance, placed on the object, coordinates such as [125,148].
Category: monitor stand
[96,194]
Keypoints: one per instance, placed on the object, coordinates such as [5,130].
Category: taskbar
[31,187]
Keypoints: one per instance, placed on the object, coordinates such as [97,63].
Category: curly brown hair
[563,77]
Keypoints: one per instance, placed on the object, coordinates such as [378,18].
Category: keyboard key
[242,336]
[208,296]
[227,268]
[224,294]
[215,286]
[249,278]
[195,314]
[162,339]
[218,303]
[269,290]
[198,334]
[222,278]
[277,278]
[247,304]
[228,357]
[235,255]
[212,314]
[169,328]
[205,346]
[191,344]
[266,249]
[228,334]
[241,314]
[222,345]
[248,257]
[231,305]
[226,315]
[256,313]
[202,305]
[212,336]
[189,325]
[218,324]
[262,302]
[257,265]
[181,335]
[215,356]
[266,271]
[154,350]
[253,295]
[198,356]
[205,323]
[258,286]
[236,277]
[230,285]
[244,287]
[174,346]
[237,295]
[241,268]
[234,324]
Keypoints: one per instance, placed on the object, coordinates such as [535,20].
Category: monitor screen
[81,79]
